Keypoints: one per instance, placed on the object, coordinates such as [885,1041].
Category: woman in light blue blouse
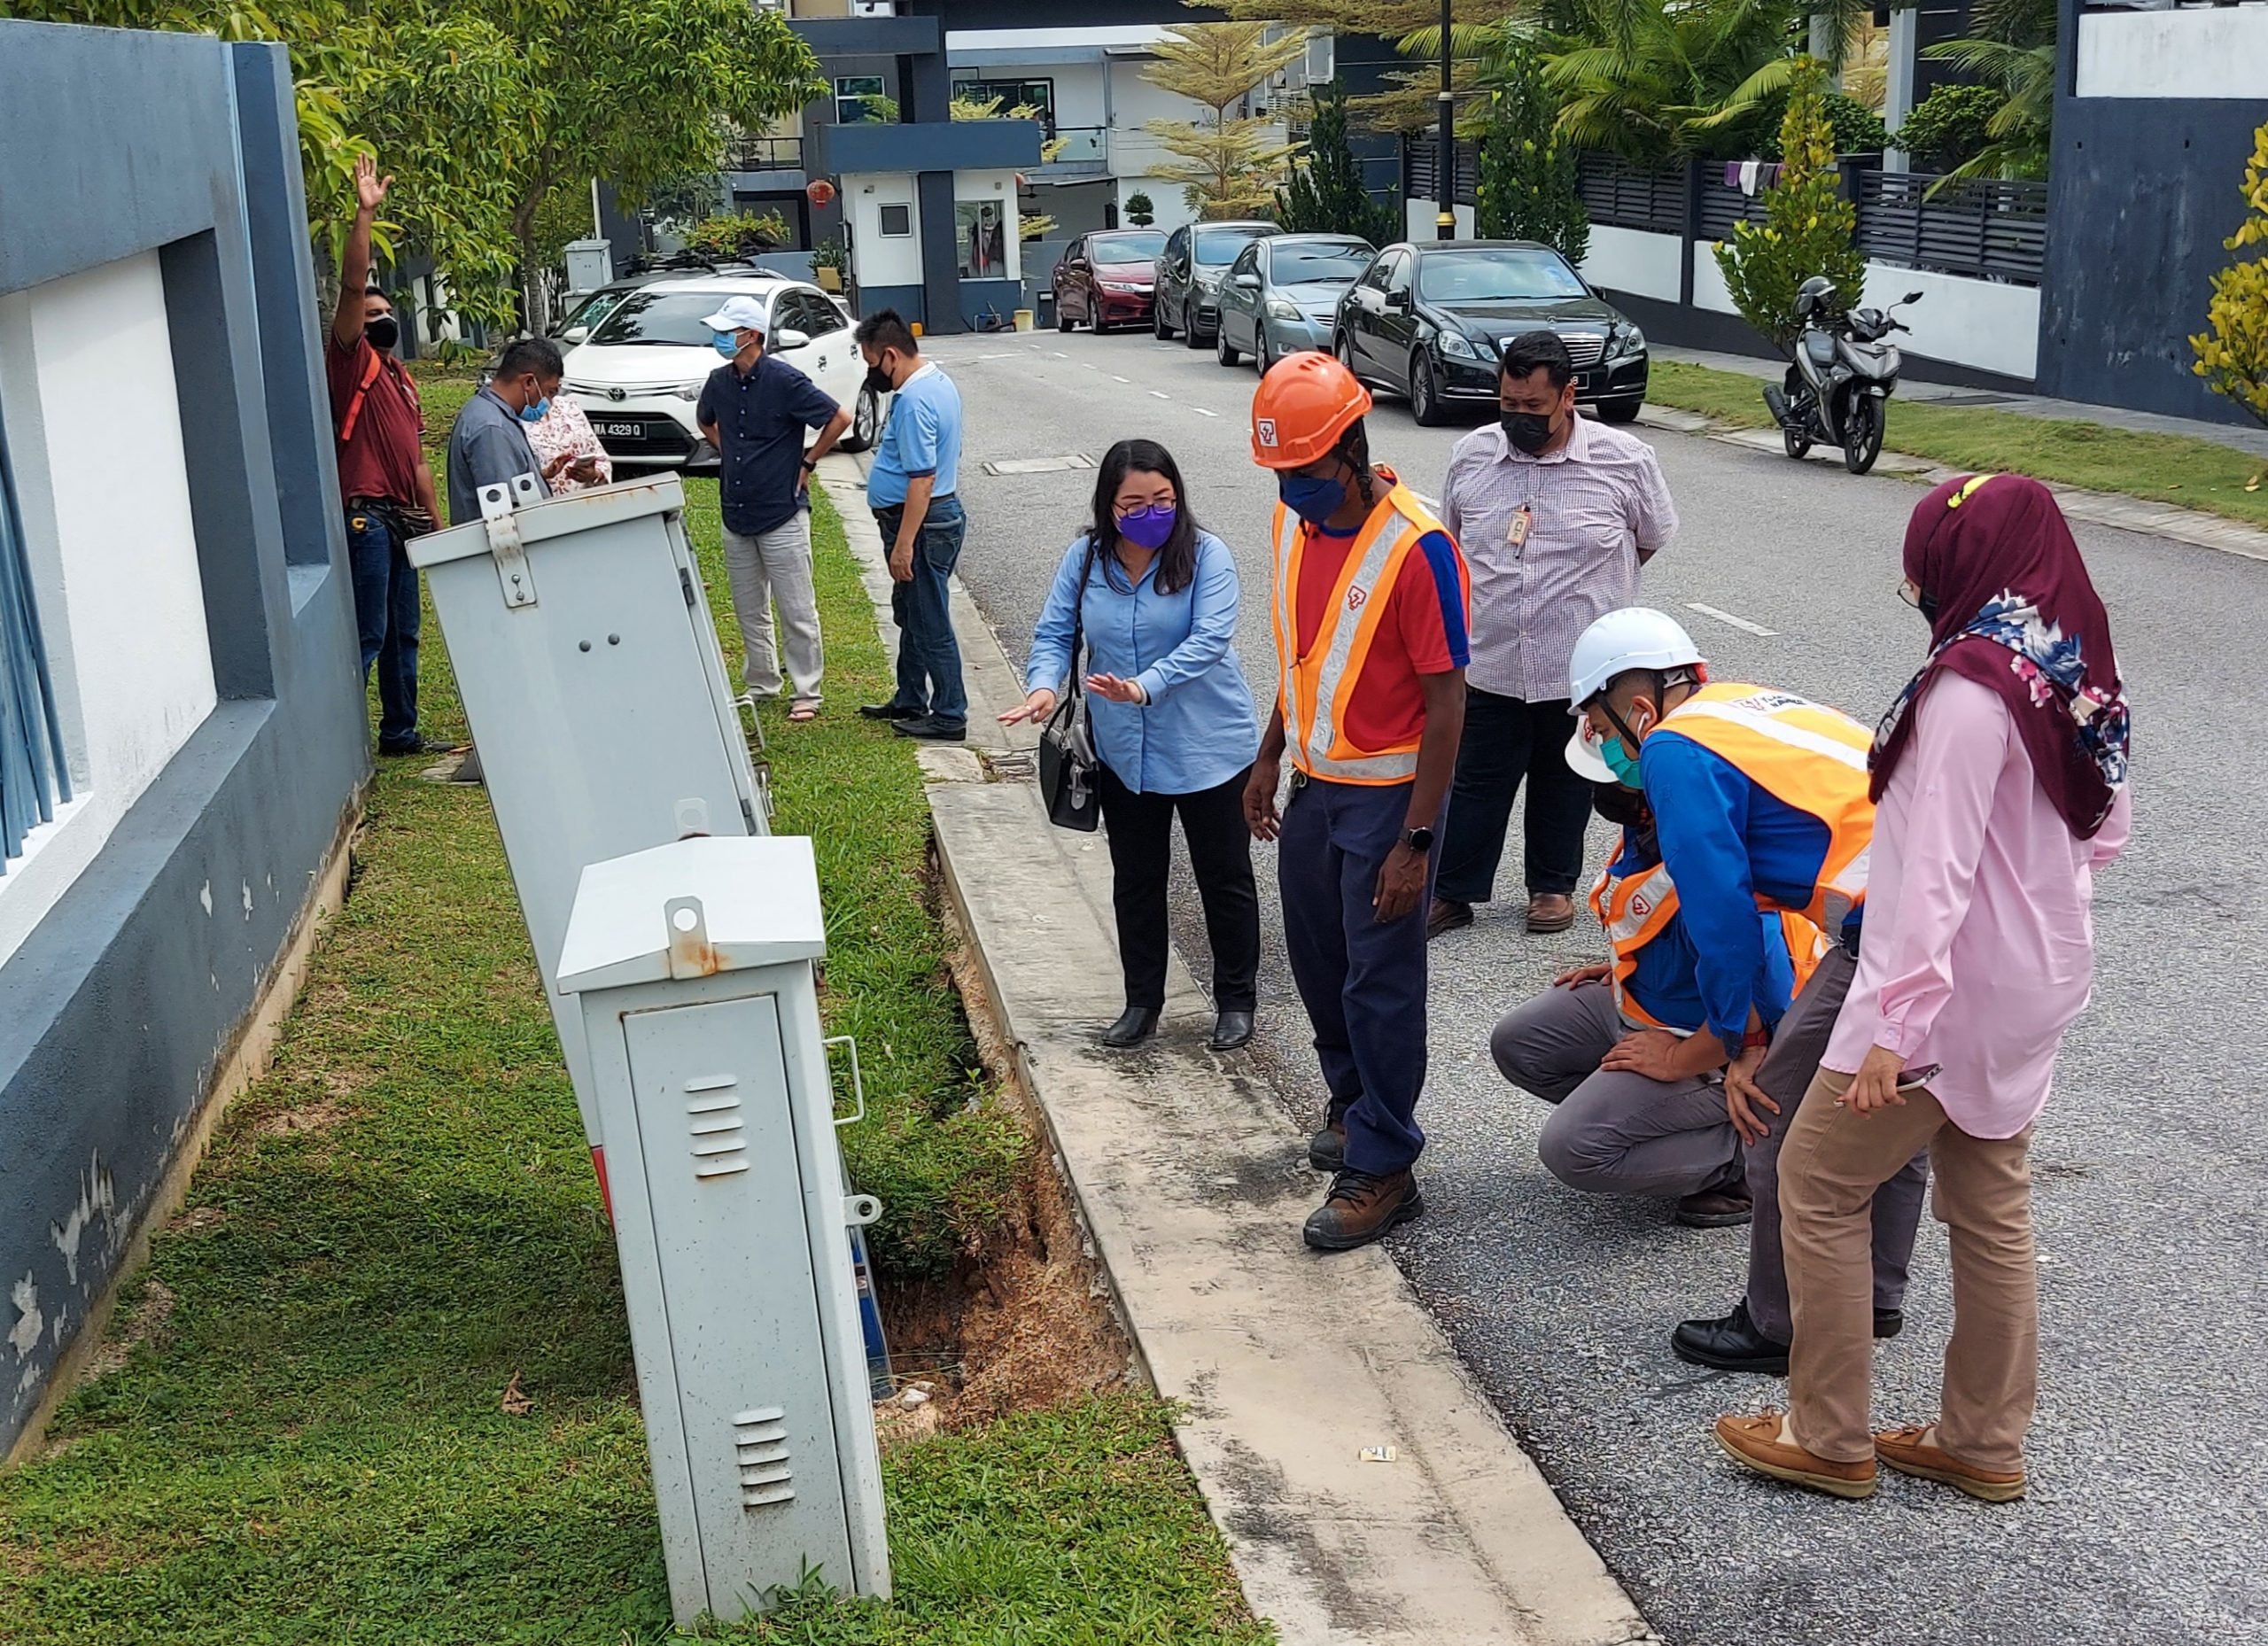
[1173,722]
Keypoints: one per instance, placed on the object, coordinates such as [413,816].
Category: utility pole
[1445,179]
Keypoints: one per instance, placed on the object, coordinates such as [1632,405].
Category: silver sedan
[1282,293]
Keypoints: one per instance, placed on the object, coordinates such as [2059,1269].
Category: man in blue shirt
[754,409]
[1631,1065]
[912,490]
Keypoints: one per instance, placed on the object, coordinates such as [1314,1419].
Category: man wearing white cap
[755,410]
[1759,799]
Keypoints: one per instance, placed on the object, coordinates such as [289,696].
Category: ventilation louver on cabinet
[713,1114]
[760,1436]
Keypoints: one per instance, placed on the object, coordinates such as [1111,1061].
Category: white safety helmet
[1635,637]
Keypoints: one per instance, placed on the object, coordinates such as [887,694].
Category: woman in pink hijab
[2000,779]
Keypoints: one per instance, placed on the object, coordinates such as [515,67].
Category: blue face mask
[534,414]
[1314,500]
[727,344]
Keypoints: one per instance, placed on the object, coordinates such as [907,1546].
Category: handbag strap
[1079,615]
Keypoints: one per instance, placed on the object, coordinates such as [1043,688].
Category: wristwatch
[1418,840]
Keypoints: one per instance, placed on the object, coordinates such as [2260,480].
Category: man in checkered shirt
[1555,513]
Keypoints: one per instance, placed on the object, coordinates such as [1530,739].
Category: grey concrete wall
[117,1013]
[2142,193]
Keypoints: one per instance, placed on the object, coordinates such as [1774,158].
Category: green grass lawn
[305,1440]
[2162,468]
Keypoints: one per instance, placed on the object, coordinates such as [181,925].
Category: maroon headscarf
[2013,608]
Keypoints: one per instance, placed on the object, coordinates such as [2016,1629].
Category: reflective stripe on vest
[1806,756]
[1314,688]
[1634,909]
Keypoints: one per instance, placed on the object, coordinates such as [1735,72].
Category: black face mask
[1625,808]
[1531,432]
[383,332]
[879,381]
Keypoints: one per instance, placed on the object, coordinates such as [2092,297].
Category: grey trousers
[1797,1044]
[776,566]
[1612,1132]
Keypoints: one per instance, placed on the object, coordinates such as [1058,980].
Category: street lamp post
[1445,177]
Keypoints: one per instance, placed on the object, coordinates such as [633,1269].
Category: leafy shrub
[738,234]
[1951,126]
[1807,224]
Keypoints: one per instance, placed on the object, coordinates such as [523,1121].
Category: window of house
[33,778]
[852,93]
[982,229]
[1013,94]
[895,222]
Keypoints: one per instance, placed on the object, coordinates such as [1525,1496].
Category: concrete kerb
[1285,1366]
[2108,509]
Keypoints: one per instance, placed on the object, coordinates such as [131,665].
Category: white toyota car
[638,375]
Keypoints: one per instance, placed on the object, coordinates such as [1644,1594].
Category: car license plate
[622,431]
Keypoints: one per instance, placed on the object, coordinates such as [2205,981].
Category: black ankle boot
[1135,1024]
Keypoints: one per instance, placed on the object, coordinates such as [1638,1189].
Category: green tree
[1653,80]
[1950,126]
[1141,211]
[1226,167]
[1528,166]
[1807,224]
[2232,350]
[1324,194]
[2012,51]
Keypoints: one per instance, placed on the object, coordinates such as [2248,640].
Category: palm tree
[2014,50]
[1653,79]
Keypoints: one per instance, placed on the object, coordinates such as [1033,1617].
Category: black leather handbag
[1070,777]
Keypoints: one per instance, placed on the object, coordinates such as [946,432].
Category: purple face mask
[1149,528]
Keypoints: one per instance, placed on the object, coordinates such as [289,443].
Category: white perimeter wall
[1978,323]
[878,260]
[1633,261]
[88,402]
[1417,220]
[2218,53]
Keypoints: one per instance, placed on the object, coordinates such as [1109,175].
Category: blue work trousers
[386,617]
[928,656]
[1363,983]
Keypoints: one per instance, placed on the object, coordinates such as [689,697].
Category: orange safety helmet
[1304,404]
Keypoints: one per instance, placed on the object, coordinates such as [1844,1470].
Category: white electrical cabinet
[598,697]
[694,965]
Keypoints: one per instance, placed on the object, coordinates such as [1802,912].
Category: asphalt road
[2144,1525]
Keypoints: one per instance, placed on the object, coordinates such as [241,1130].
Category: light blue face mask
[534,414]
[727,343]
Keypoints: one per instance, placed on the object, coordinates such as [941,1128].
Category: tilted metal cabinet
[591,674]
[694,963]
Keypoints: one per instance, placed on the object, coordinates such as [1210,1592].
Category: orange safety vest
[1315,687]
[1635,909]
[1806,756]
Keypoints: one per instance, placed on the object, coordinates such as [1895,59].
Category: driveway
[2144,1525]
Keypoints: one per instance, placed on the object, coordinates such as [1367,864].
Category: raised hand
[369,188]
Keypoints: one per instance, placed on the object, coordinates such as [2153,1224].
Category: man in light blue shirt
[912,490]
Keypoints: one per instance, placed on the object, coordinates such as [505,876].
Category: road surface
[2144,1525]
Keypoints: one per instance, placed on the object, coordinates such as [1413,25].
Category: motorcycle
[1838,385]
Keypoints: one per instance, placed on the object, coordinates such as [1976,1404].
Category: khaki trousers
[1831,1164]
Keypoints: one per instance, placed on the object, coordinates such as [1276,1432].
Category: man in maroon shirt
[383,475]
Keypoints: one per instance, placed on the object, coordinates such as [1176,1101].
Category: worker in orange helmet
[1369,621]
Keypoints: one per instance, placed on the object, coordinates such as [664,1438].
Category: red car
[1106,278]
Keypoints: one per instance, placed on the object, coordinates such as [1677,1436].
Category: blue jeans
[387,614]
[1364,985]
[928,656]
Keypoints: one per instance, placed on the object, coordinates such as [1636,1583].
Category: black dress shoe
[418,745]
[1734,1344]
[1231,1031]
[1136,1023]
[930,729]
[890,711]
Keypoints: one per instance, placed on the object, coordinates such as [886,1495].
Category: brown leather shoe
[1716,1209]
[1753,1439]
[1914,1451]
[1550,912]
[1361,1208]
[1446,916]
[1327,1148]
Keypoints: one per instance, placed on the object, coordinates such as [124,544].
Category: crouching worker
[1620,1047]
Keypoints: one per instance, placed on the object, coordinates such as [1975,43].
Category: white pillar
[1898,92]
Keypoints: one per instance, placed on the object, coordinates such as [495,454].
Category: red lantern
[819,191]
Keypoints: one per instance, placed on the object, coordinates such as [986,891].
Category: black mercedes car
[1430,319]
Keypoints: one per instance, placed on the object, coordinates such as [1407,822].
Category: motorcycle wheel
[1862,440]
[1798,445]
